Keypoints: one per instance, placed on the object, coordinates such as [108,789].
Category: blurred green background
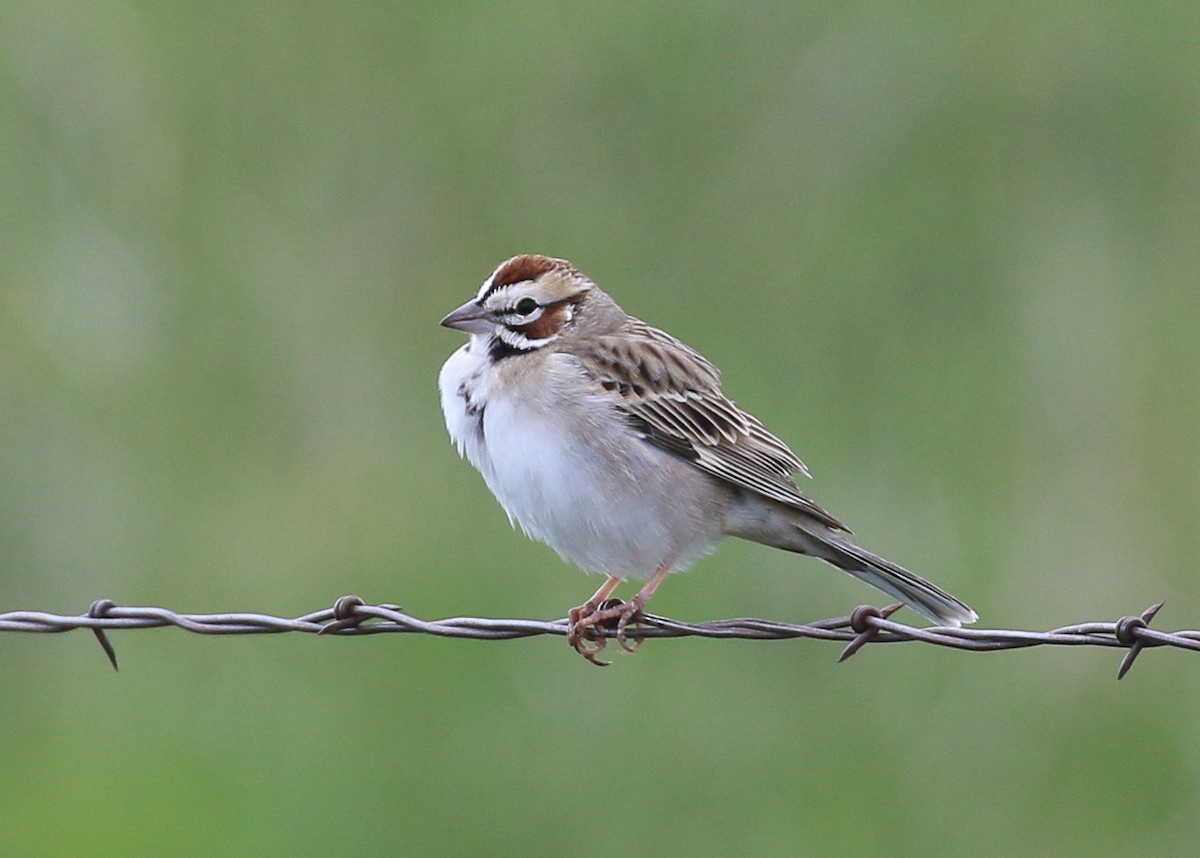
[950,252]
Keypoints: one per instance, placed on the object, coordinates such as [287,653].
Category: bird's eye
[526,306]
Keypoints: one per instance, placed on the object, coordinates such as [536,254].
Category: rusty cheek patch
[552,320]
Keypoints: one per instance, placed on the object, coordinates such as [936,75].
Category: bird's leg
[632,608]
[590,614]
[578,620]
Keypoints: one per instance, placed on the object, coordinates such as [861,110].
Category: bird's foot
[609,613]
[578,620]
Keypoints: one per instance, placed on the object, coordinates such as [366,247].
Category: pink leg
[579,619]
[635,605]
[589,614]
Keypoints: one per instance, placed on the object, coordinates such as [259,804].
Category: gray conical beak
[470,318]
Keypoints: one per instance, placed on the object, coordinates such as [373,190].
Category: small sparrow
[612,442]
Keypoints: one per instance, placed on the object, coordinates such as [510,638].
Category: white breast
[460,382]
[567,468]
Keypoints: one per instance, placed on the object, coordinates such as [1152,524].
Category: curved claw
[591,654]
[590,615]
[578,620]
[630,613]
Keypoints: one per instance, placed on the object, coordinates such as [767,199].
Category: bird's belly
[599,496]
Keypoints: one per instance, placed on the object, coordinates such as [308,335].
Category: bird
[611,441]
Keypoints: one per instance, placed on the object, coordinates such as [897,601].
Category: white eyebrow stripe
[499,296]
[485,288]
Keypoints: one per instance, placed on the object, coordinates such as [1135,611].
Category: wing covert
[672,396]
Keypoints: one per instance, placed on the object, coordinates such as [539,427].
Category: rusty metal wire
[351,616]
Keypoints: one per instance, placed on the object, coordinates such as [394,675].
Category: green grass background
[950,252]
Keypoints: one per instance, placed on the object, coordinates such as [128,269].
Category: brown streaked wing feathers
[674,398]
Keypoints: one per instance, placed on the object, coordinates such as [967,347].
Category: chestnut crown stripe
[519,269]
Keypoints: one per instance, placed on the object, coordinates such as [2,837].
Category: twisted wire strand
[351,616]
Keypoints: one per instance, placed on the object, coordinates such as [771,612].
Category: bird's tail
[913,590]
[794,531]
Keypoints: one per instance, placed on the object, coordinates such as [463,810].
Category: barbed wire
[351,616]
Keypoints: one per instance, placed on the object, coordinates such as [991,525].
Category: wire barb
[98,610]
[352,616]
[862,622]
[1128,632]
[345,615]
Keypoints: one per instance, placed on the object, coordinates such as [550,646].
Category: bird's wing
[673,398]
